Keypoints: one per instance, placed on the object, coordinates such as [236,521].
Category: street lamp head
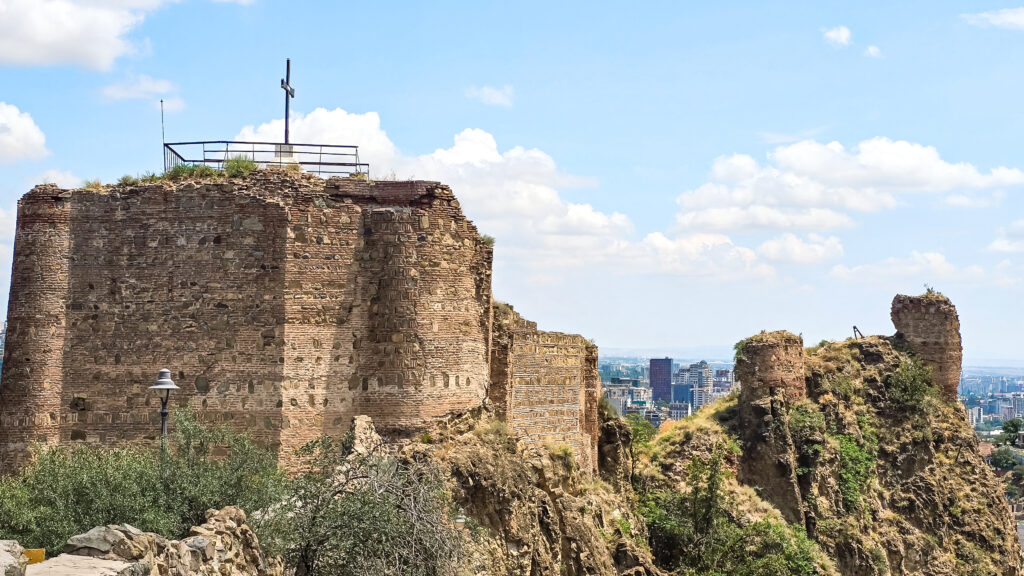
[164,384]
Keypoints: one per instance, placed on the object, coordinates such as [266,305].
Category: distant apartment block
[679,410]
[974,416]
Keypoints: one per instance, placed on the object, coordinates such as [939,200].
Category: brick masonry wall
[284,305]
[771,360]
[36,326]
[545,385]
[931,327]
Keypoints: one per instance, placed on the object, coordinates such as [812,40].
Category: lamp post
[163,387]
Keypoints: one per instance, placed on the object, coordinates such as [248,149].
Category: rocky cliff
[533,511]
[864,443]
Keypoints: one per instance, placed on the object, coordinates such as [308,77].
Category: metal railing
[320,159]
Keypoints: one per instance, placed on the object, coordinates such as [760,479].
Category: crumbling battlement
[931,328]
[771,361]
[545,385]
[284,305]
[770,370]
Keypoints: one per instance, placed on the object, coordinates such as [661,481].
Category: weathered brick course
[545,385]
[931,327]
[283,304]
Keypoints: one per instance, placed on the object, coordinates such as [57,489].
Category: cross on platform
[289,93]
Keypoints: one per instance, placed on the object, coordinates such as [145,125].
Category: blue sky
[661,175]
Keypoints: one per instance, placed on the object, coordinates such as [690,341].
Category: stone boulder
[222,546]
[12,558]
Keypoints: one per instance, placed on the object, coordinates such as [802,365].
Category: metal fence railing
[320,159]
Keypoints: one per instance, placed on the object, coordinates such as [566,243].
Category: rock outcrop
[863,442]
[223,546]
[531,510]
[12,558]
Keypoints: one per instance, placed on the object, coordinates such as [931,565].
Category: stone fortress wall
[545,385]
[284,305]
[931,327]
[771,361]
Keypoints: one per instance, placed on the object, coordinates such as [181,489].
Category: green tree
[642,429]
[910,385]
[1003,458]
[69,490]
[1009,435]
[692,533]
[351,514]
[642,433]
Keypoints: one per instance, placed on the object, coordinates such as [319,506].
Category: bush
[692,533]
[127,180]
[605,410]
[355,514]
[1002,458]
[910,385]
[181,171]
[239,166]
[856,467]
[69,490]
[807,428]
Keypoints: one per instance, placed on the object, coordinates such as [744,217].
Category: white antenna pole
[163,136]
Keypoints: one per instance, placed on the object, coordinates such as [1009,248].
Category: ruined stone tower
[283,304]
[931,328]
[770,370]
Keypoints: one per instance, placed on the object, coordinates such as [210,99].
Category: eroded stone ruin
[284,305]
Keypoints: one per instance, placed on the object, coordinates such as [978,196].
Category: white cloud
[810,185]
[87,33]
[1009,239]
[974,200]
[789,137]
[873,52]
[1008,18]
[91,34]
[61,178]
[926,267]
[143,87]
[20,138]
[706,256]
[838,36]
[791,248]
[173,104]
[514,195]
[140,88]
[491,96]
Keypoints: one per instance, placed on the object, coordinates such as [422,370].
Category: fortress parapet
[931,328]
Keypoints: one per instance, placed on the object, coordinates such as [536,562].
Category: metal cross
[289,93]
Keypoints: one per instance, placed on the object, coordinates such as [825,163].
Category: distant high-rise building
[1017,402]
[661,379]
[681,392]
[974,416]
